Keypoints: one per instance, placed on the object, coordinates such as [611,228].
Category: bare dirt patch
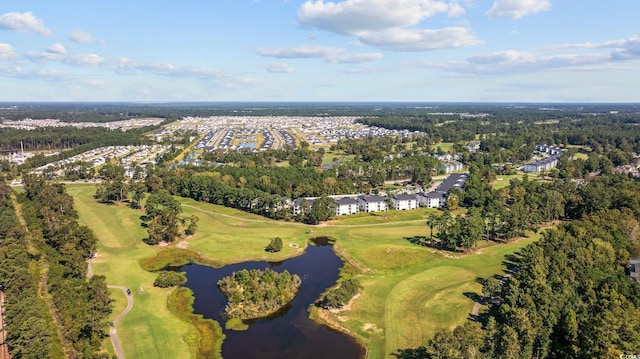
[345,307]
[371,327]
[183,243]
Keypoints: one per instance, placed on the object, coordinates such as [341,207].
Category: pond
[288,333]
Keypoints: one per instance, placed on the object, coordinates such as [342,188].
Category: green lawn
[502,181]
[408,290]
[445,146]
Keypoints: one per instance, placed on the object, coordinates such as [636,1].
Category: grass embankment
[205,338]
[408,290]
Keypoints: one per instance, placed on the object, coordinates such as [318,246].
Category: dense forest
[44,275]
[571,297]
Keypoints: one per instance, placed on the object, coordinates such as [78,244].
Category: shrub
[168,279]
[338,296]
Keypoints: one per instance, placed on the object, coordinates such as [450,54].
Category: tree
[138,190]
[323,208]
[432,222]
[491,288]
[452,202]
[192,226]
[162,211]
[275,245]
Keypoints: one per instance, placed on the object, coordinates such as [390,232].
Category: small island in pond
[258,293]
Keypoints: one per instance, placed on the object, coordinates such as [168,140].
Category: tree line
[80,307]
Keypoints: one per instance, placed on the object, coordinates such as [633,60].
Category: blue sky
[341,50]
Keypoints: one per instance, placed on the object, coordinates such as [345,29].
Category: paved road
[476,307]
[112,330]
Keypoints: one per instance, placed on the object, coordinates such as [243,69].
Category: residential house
[438,197]
[347,205]
[432,199]
[404,201]
[372,203]
[549,150]
[542,165]
[299,204]
[451,167]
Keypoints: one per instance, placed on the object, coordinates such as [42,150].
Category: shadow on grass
[474,296]
[511,261]
[423,241]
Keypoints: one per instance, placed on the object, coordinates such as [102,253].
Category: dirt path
[112,331]
[476,307]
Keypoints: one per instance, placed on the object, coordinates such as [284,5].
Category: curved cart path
[112,330]
[476,307]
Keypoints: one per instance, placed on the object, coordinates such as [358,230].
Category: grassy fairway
[232,236]
[149,330]
[408,290]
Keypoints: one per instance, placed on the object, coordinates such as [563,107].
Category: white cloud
[83,60]
[621,44]
[39,74]
[329,54]
[388,24]
[365,70]
[605,55]
[516,9]
[350,16]
[622,49]
[69,59]
[506,62]
[299,52]
[7,53]
[420,40]
[23,22]
[43,56]
[125,66]
[354,58]
[56,48]
[278,68]
[82,37]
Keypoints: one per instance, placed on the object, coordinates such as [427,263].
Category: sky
[318,50]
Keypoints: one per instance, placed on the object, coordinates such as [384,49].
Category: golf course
[408,290]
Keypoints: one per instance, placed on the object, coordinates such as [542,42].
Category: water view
[289,333]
